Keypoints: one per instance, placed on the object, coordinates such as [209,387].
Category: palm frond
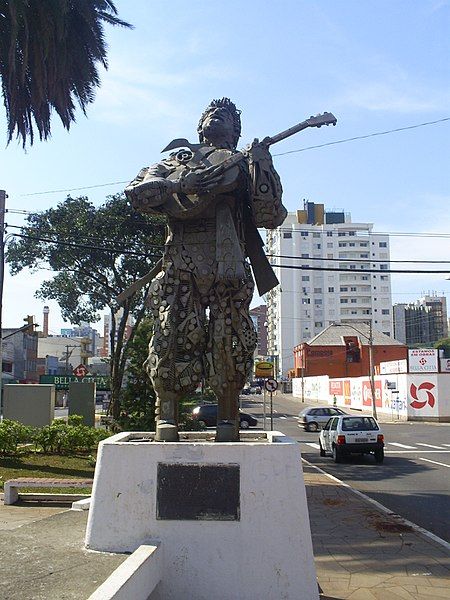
[49,55]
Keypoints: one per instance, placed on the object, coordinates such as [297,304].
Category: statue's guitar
[218,162]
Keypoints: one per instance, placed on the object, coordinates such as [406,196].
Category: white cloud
[400,96]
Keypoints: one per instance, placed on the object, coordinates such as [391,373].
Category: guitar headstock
[325,118]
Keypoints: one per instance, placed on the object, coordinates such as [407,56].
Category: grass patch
[48,465]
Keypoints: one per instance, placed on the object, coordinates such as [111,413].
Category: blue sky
[377,65]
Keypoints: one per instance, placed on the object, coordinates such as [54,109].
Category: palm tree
[49,52]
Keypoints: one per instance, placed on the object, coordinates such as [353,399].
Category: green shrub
[75,420]
[69,439]
[12,434]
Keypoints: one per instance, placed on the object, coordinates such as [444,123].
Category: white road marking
[435,462]
[282,417]
[417,451]
[401,445]
[313,445]
[430,446]
[448,445]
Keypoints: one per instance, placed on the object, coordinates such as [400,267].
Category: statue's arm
[266,188]
[150,188]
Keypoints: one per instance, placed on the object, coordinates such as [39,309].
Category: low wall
[405,395]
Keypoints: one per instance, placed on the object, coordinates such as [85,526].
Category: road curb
[382,508]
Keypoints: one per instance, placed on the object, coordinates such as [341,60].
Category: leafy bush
[12,434]
[75,420]
[68,439]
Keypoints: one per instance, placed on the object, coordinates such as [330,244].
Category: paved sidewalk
[361,552]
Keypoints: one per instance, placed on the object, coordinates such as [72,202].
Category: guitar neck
[287,133]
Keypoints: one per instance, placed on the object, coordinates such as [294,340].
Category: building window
[317,290]
[383,277]
[352,244]
[382,244]
[329,244]
[304,255]
[363,244]
[366,311]
[306,301]
[352,351]
[318,301]
[364,255]
[329,233]
[344,301]
[304,233]
[352,266]
[352,233]
[305,277]
[316,235]
[287,234]
[342,244]
[383,267]
[318,324]
[353,301]
[331,289]
[385,311]
[344,289]
[353,289]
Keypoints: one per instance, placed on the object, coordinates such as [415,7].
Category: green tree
[444,344]
[138,399]
[49,52]
[94,255]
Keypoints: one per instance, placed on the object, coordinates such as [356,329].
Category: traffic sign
[271,385]
[80,371]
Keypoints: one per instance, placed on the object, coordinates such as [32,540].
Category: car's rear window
[359,424]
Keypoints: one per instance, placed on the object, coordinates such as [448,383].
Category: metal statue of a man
[214,198]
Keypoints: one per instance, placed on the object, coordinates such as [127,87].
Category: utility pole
[371,368]
[2,278]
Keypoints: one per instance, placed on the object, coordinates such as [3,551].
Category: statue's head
[220,124]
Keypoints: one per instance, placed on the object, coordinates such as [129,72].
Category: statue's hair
[234,112]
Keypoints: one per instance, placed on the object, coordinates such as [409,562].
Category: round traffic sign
[271,385]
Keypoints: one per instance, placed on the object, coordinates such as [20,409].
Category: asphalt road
[413,481]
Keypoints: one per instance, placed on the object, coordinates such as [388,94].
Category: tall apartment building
[421,322]
[309,299]
[259,318]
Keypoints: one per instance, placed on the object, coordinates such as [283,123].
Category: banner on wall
[445,365]
[336,388]
[423,360]
[367,394]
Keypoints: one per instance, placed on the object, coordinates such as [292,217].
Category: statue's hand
[199,182]
[258,151]
[149,194]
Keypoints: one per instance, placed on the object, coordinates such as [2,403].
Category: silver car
[313,418]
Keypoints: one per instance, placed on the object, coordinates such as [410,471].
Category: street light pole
[372,372]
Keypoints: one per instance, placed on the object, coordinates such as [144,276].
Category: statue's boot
[228,416]
[167,418]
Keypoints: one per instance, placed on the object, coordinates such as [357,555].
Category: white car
[352,434]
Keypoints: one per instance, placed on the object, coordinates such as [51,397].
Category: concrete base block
[231,517]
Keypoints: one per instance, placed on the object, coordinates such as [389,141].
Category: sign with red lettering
[367,393]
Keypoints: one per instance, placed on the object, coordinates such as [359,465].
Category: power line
[363,260]
[87,247]
[304,268]
[381,271]
[362,137]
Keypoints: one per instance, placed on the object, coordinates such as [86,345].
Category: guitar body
[190,206]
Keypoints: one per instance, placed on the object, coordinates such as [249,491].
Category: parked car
[207,413]
[313,418]
[255,390]
[347,434]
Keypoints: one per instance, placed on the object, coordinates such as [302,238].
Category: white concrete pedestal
[266,554]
